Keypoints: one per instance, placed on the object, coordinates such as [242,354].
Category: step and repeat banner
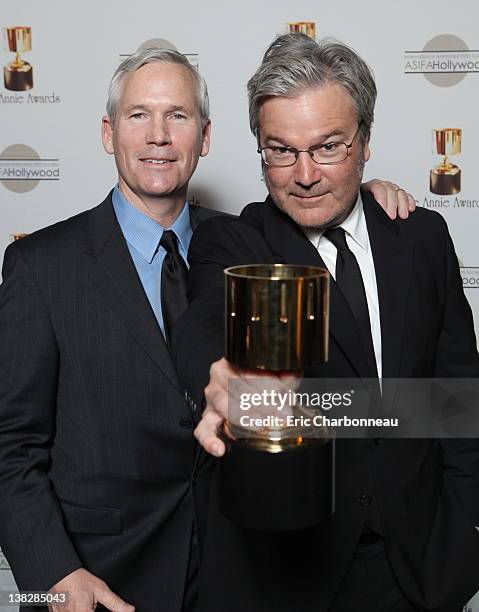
[58,57]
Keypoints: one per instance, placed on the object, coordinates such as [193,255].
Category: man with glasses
[402,537]
[329,153]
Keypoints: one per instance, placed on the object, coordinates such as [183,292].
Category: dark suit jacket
[97,456]
[423,493]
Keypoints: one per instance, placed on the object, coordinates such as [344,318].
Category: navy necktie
[174,282]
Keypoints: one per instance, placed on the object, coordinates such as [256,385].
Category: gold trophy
[305,27]
[18,75]
[445,178]
[277,476]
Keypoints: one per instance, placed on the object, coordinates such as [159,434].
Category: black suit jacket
[97,457]
[424,493]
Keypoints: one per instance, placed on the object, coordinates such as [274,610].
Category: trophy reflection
[18,75]
[445,178]
[278,475]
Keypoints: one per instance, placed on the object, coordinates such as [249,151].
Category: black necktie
[174,282]
[350,282]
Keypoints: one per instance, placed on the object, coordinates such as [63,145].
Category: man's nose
[158,132]
[306,171]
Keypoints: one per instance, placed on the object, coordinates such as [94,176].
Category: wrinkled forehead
[311,109]
[160,80]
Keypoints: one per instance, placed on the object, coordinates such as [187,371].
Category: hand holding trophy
[277,473]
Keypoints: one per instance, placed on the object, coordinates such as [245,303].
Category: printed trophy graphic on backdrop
[445,178]
[305,27]
[18,74]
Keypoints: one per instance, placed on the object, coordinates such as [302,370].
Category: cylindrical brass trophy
[18,75]
[445,178]
[278,475]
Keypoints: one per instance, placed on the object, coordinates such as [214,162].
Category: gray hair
[146,56]
[295,62]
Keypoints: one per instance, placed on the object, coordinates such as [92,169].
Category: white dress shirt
[357,239]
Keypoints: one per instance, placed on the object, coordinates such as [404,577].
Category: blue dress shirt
[143,235]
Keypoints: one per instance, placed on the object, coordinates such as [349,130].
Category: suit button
[378,441]
[364,500]
[186,423]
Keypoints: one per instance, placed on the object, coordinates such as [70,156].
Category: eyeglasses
[328,153]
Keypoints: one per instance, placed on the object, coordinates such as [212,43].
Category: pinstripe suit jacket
[97,457]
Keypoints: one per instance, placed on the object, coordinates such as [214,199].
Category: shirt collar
[143,233]
[354,225]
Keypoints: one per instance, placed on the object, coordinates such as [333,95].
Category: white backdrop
[77,45]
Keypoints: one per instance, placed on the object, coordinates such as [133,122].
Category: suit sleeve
[457,357]
[32,534]
[198,336]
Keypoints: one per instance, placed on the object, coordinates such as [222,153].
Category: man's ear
[205,142]
[107,134]
[366,149]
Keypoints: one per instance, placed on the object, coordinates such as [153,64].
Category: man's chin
[312,217]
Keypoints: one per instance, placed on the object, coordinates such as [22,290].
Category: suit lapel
[290,245]
[392,262]
[115,276]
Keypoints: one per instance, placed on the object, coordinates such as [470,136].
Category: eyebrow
[171,109]
[178,107]
[134,107]
[321,139]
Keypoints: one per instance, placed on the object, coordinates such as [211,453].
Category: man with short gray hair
[403,537]
[101,496]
